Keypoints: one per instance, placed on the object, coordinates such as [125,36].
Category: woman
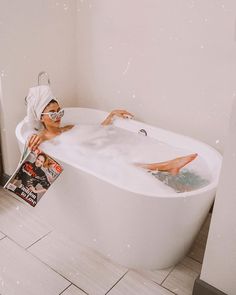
[45,109]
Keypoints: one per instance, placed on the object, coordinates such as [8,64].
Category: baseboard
[202,288]
[3,179]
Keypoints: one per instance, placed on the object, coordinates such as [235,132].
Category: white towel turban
[37,99]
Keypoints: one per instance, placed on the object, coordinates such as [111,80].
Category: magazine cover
[34,175]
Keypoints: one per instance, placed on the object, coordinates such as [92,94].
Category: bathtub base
[131,230]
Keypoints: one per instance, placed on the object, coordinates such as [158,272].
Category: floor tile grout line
[73,284]
[159,284]
[168,275]
[3,239]
[31,254]
[44,263]
[117,281]
[167,289]
[56,271]
[3,234]
[15,242]
[39,239]
[25,248]
[61,293]
[25,205]
[49,266]
[173,267]
[194,259]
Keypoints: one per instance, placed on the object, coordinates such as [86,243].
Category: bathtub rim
[210,187]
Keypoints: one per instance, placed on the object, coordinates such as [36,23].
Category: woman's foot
[172,166]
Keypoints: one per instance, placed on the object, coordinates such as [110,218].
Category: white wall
[171,63]
[219,265]
[35,35]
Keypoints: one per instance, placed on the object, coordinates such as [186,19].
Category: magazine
[34,175]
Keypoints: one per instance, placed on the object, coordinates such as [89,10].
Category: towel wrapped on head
[37,99]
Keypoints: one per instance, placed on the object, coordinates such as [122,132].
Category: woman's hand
[119,113]
[35,141]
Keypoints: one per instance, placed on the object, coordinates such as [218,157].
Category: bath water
[110,153]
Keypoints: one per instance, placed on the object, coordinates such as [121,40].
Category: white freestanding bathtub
[129,227]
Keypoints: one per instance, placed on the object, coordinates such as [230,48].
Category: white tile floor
[35,260]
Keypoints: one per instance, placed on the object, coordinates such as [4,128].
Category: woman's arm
[118,113]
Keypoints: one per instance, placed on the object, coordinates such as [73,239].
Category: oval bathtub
[131,228]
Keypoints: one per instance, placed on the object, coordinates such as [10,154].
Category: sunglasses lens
[61,113]
[56,115]
[53,116]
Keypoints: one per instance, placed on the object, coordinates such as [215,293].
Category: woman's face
[48,122]
[39,161]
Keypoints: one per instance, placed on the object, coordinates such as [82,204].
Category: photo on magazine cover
[33,177]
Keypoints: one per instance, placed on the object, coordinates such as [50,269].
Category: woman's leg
[171,166]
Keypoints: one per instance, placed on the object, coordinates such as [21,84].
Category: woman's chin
[57,123]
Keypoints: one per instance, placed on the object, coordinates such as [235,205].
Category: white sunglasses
[55,115]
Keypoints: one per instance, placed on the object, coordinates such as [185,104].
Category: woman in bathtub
[45,113]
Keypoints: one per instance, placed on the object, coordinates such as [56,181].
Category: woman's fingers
[126,114]
[118,113]
[34,141]
[122,113]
